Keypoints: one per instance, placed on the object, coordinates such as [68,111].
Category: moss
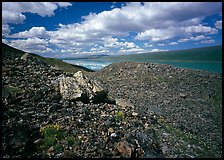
[52,135]
[11,90]
[70,140]
[119,116]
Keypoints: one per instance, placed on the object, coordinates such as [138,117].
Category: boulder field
[126,110]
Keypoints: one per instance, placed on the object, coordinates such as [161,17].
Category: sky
[69,29]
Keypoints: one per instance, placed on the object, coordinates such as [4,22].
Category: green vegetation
[10,52]
[11,90]
[63,65]
[213,53]
[52,135]
[197,54]
[119,116]
[70,140]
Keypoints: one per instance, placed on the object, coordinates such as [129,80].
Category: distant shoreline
[210,66]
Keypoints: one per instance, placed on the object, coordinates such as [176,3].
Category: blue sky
[68,29]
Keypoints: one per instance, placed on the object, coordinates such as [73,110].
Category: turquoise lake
[98,63]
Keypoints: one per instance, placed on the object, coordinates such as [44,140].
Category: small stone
[134,114]
[113,135]
[182,95]
[124,103]
[166,135]
[38,141]
[51,149]
[125,149]
[146,125]
[110,130]
[68,154]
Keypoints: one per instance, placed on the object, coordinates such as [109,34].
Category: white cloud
[161,44]
[200,37]
[158,50]
[13,12]
[208,41]
[5,29]
[153,21]
[156,34]
[196,38]
[5,41]
[131,50]
[41,8]
[34,45]
[173,43]
[148,45]
[183,40]
[114,43]
[33,32]
[218,24]
[200,29]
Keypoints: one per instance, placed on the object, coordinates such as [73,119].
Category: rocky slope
[189,102]
[125,110]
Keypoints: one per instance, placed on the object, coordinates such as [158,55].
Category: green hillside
[213,53]
[10,52]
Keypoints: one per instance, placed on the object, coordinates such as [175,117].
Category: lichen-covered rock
[80,87]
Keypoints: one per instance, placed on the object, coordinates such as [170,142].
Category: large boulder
[80,87]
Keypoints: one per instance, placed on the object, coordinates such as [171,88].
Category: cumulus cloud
[200,37]
[13,12]
[173,43]
[157,35]
[208,41]
[158,50]
[153,22]
[33,32]
[34,45]
[218,24]
[148,45]
[200,29]
[114,43]
[5,41]
[196,38]
[5,30]
[131,50]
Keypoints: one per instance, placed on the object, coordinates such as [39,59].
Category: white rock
[79,86]
[134,114]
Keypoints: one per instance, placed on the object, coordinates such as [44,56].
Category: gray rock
[124,103]
[182,95]
[25,57]
[80,87]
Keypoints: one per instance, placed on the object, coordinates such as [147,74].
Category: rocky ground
[125,110]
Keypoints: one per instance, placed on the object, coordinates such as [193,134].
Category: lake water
[101,62]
